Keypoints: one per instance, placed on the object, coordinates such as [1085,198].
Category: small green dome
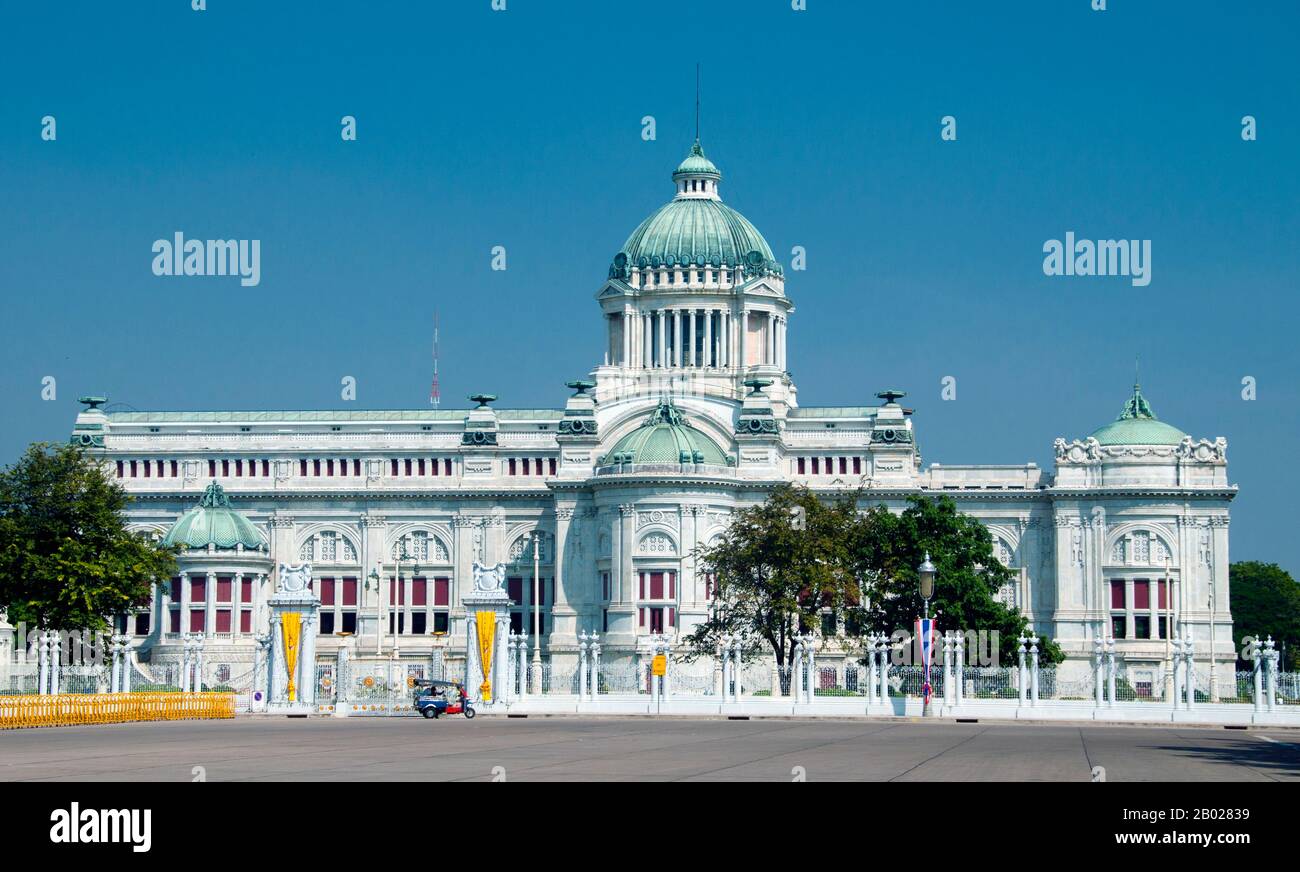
[696,229]
[1138,425]
[214,522]
[666,438]
[696,164]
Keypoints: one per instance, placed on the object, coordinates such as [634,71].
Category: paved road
[412,749]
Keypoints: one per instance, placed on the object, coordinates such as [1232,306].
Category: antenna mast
[697,101]
[435,395]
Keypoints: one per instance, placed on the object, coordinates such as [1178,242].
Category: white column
[709,358]
[771,338]
[661,361]
[692,333]
[676,338]
[647,341]
[742,331]
[626,325]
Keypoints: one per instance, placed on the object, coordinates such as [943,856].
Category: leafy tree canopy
[1266,602]
[67,561]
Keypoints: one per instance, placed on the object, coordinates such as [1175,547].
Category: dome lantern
[1137,424]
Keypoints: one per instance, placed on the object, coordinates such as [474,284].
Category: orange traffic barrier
[73,709]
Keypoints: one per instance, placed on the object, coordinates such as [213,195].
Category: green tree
[776,567]
[67,561]
[966,583]
[1265,602]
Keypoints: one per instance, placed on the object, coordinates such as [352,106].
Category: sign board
[659,666]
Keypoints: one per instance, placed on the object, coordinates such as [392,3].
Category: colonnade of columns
[708,338]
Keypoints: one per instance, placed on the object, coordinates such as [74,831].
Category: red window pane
[815,465]
[356,467]
[266,468]
[1117,595]
[224,586]
[343,468]
[844,465]
[245,621]
[641,616]
[327,591]
[396,592]
[174,624]
[349,591]
[120,467]
[1142,594]
[801,466]
[246,590]
[408,467]
[441,591]
[197,617]
[176,590]
[239,471]
[552,462]
[446,466]
[857,466]
[329,468]
[198,590]
[147,466]
[225,469]
[1163,595]
[672,585]
[656,585]
[515,589]
[315,468]
[421,465]
[302,468]
[434,462]
[510,466]
[223,620]
[672,617]
[419,592]
[539,466]
[212,469]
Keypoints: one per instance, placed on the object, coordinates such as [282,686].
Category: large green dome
[1138,425]
[666,438]
[696,229]
[214,522]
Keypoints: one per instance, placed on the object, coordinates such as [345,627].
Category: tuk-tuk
[435,698]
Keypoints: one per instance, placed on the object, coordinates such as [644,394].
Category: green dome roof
[1138,425]
[214,522]
[696,164]
[696,228]
[666,438]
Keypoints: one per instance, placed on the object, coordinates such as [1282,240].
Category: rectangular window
[349,622]
[212,469]
[1119,627]
[539,466]
[407,467]
[329,468]
[844,466]
[604,585]
[120,467]
[176,590]
[1142,626]
[224,589]
[392,467]
[441,622]
[1163,595]
[421,466]
[326,623]
[441,591]
[800,466]
[433,464]
[133,468]
[1117,594]
[315,468]
[302,468]
[197,620]
[198,590]
[857,466]
[142,624]
[510,466]
[225,469]
[515,590]
[396,592]
[1163,630]
[174,623]
[552,465]
[343,468]
[246,590]
[815,466]
[1142,594]
[327,591]
[829,624]
[266,469]
[641,616]
[356,467]
[246,621]
[419,623]
[516,622]
[239,469]
[223,620]
[446,466]
[146,469]
[656,620]
[349,591]
[656,585]
[419,593]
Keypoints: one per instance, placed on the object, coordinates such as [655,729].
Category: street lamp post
[925,573]
[372,580]
[537,611]
[397,594]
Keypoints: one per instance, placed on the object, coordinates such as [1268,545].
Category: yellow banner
[487,628]
[291,623]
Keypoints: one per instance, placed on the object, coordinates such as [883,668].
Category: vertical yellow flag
[291,623]
[487,627]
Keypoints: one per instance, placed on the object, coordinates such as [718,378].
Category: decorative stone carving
[656,516]
[657,543]
[488,579]
[294,579]
[478,437]
[577,427]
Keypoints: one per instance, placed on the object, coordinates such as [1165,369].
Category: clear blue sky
[522,128]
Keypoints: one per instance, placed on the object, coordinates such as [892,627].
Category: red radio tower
[435,396]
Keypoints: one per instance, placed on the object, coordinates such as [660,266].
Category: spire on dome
[1137,407]
[214,497]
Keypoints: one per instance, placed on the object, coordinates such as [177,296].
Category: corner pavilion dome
[1138,425]
[214,522]
[696,229]
[666,438]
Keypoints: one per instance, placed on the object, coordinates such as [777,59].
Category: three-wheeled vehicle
[435,698]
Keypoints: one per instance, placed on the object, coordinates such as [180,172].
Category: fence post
[796,674]
[1110,672]
[811,666]
[521,665]
[947,668]
[1021,682]
[1189,669]
[1097,679]
[736,661]
[1033,668]
[595,666]
[1256,677]
[582,666]
[884,670]
[959,654]
[1270,658]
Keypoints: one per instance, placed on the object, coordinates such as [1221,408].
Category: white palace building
[691,415]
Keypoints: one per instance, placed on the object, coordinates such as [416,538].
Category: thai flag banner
[925,632]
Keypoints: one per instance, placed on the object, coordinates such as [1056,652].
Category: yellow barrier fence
[72,709]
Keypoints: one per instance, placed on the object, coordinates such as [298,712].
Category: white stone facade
[344,490]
